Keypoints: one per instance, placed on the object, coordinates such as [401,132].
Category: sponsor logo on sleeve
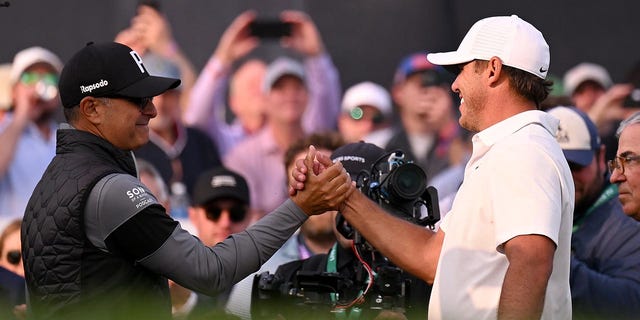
[140,197]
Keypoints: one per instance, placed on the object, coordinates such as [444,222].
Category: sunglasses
[14,257]
[357,113]
[31,78]
[237,212]
[141,103]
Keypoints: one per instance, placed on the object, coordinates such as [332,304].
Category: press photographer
[354,280]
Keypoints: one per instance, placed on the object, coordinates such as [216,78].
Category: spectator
[585,83]
[246,98]
[427,120]
[179,152]
[510,223]
[27,129]
[96,243]
[150,35]
[151,178]
[366,110]
[12,287]
[624,167]
[605,261]
[287,96]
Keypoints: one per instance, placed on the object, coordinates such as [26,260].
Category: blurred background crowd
[350,71]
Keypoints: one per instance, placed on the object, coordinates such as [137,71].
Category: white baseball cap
[577,135]
[283,66]
[30,56]
[583,72]
[516,42]
[367,94]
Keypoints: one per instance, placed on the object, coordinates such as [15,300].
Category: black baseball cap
[219,183]
[357,157]
[109,70]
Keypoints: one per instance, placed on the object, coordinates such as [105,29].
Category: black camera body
[365,282]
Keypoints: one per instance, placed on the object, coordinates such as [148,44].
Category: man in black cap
[96,242]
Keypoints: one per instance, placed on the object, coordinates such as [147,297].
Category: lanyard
[608,194]
[340,314]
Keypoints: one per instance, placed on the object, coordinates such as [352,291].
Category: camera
[360,282]
[268,28]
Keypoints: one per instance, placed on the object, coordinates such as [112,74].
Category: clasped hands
[319,185]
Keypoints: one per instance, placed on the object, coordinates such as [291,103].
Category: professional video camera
[359,282]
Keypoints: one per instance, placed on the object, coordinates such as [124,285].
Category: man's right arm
[411,247]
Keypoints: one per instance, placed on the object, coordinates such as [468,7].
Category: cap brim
[579,157]
[150,86]
[220,193]
[448,58]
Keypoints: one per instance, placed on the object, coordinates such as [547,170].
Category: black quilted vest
[67,277]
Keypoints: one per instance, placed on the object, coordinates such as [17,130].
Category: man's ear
[90,111]
[495,70]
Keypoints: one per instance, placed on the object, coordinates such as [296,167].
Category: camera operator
[397,293]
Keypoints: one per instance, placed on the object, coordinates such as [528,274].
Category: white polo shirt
[517,182]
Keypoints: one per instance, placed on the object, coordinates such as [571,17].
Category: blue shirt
[32,156]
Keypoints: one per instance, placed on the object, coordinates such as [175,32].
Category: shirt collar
[506,127]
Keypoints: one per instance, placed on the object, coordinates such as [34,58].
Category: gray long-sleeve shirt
[123,217]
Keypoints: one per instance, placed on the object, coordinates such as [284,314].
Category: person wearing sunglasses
[96,243]
[27,128]
[220,204]
[625,167]
[12,288]
[366,110]
[605,261]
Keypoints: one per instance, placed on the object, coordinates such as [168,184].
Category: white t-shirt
[517,182]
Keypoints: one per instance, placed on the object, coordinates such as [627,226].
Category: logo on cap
[562,136]
[97,85]
[223,181]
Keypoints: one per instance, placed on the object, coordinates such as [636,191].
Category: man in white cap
[503,250]
[605,260]
[366,109]
[27,130]
[585,83]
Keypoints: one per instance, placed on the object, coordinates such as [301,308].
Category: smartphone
[270,28]
[155,4]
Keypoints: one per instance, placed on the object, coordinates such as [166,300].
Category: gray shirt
[123,217]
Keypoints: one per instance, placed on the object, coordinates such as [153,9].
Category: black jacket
[65,273]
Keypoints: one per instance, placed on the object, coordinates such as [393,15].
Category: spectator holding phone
[246,96]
